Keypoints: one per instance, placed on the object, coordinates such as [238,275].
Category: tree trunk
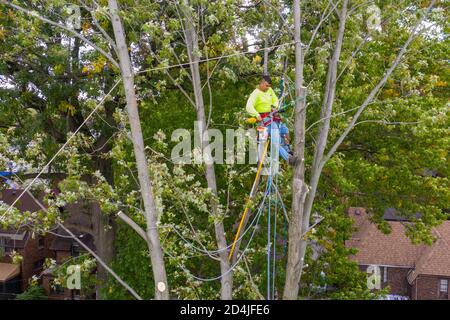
[192,47]
[104,226]
[295,264]
[299,188]
[322,138]
[154,244]
[104,231]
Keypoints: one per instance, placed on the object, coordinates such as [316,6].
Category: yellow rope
[249,200]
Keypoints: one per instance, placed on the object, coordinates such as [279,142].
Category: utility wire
[81,243]
[255,221]
[100,261]
[215,58]
[234,265]
[61,149]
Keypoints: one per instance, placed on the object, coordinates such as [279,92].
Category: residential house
[65,249]
[412,271]
[34,249]
[14,278]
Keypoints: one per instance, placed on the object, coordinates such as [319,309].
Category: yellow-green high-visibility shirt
[261,102]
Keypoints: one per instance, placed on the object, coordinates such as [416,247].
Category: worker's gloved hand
[259,118]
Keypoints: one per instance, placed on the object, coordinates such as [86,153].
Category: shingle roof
[25,203]
[435,259]
[79,218]
[395,249]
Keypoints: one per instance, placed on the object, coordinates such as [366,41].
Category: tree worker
[263,105]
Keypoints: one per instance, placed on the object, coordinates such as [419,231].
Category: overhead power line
[27,188]
[215,58]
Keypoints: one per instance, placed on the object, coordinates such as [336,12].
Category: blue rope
[271,293]
[271,284]
[285,233]
[268,219]
[274,240]
[272,232]
[284,220]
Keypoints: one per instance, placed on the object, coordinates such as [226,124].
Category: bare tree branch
[252,283]
[191,37]
[283,19]
[179,61]
[180,88]
[380,84]
[332,116]
[387,123]
[330,90]
[154,242]
[207,78]
[322,19]
[133,225]
[110,40]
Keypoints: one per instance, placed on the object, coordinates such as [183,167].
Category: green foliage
[396,156]
[61,273]
[34,292]
[132,264]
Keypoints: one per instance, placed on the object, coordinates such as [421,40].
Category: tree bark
[105,226]
[192,48]
[299,188]
[295,265]
[104,230]
[322,138]
[154,244]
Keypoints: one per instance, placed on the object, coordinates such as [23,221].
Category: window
[443,289]
[443,286]
[3,242]
[4,249]
[75,249]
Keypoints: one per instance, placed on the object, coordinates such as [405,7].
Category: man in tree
[263,105]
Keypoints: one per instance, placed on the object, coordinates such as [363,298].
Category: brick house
[65,248]
[14,278]
[417,272]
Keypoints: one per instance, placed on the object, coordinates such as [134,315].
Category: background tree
[394,157]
